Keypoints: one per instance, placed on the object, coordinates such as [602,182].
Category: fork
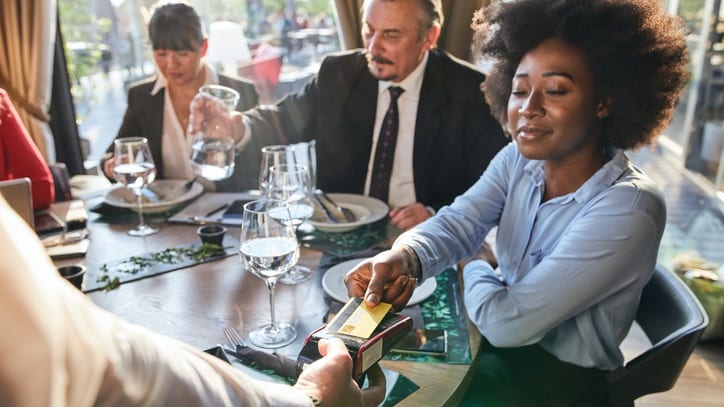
[233,337]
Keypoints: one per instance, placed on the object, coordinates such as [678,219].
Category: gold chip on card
[357,319]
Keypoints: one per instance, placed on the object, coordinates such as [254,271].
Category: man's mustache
[378,60]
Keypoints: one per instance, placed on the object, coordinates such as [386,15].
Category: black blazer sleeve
[143,118]
[336,108]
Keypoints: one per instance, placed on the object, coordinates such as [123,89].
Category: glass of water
[212,150]
[134,167]
[268,250]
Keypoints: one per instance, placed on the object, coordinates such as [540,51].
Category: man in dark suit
[446,134]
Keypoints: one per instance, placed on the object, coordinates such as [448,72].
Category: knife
[323,215]
[339,214]
[179,190]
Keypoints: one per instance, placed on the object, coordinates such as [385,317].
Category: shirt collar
[210,78]
[412,83]
[600,180]
[604,177]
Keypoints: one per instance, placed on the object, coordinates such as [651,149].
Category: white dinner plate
[333,283]
[124,198]
[365,208]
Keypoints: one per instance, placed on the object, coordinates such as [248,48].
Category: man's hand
[330,379]
[405,217]
[389,276]
[209,116]
[108,167]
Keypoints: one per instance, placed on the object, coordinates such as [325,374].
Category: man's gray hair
[432,13]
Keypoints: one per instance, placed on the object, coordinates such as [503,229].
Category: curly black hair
[638,54]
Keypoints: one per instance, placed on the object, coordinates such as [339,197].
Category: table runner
[345,243]
[133,268]
[444,310]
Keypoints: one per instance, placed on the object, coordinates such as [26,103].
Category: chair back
[673,320]
[265,70]
[61,180]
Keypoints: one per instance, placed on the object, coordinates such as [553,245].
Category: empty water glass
[290,154]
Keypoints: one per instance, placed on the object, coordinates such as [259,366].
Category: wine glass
[268,249]
[134,167]
[290,183]
[212,150]
[272,156]
[303,153]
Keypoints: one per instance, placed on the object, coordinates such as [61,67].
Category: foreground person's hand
[406,217]
[389,276]
[330,379]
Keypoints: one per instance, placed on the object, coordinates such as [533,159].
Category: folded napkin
[281,365]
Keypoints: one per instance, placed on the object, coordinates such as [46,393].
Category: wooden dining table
[196,303]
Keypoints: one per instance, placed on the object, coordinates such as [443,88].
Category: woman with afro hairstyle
[575,83]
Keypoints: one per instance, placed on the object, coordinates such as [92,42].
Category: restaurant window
[696,134]
[276,43]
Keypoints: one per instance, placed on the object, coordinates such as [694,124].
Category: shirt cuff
[478,266]
[283,395]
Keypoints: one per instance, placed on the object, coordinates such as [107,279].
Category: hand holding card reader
[368,334]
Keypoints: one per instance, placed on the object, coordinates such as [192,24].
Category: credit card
[357,319]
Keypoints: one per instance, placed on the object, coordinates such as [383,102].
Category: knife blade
[333,210]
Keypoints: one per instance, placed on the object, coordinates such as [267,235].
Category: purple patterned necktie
[385,151]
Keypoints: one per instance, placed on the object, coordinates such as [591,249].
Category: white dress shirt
[174,143]
[60,349]
[402,180]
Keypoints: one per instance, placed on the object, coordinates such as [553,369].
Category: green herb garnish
[136,264]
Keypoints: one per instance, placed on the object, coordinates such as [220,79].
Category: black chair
[673,320]
[61,180]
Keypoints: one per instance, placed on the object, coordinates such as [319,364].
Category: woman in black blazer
[158,108]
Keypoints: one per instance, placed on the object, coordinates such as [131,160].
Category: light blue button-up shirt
[571,269]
